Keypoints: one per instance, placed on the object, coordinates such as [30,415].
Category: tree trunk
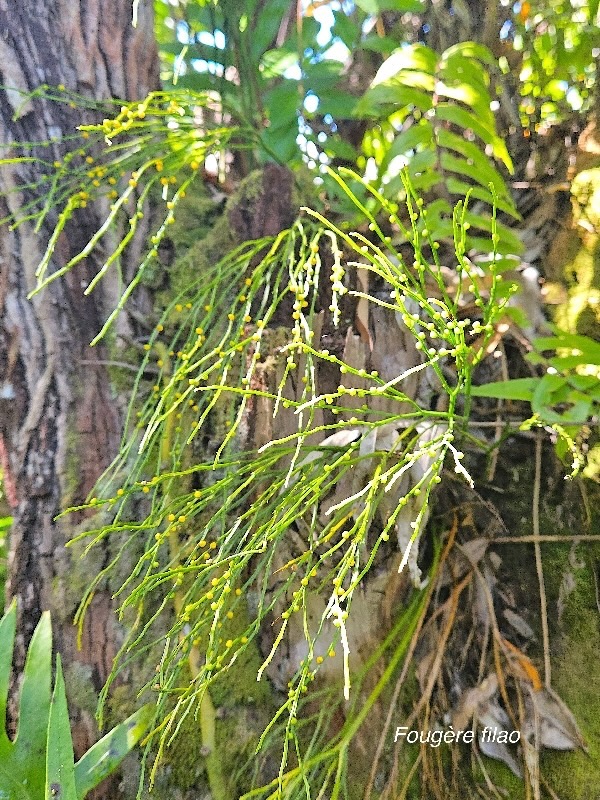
[60,418]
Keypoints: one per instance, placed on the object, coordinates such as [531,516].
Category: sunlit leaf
[470,50]
[390,94]
[276,62]
[465,70]
[556,89]
[467,121]
[377,6]
[417,57]
[466,93]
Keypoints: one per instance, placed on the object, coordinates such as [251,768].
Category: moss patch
[576,671]
[580,262]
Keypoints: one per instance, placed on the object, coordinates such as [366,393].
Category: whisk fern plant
[218,531]
[233,533]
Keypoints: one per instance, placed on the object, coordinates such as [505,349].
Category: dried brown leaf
[474,699]
[558,728]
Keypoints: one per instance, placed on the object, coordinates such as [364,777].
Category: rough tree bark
[59,416]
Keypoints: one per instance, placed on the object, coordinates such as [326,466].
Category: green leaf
[11,789]
[461,188]
[425,160]
[467,94]
[463,167]
[438,208]
[305,37]
[417,135]
[322,76]
[24,759]
[589,349]
[265,26]
[339,148]
[202,17]
[106,755]
[424,181]
[340,105]
[280,142]
[376,6]
[276,62]
[390,94]
[416,56]
[465,70]
[282,104]
[34,708]
[345,29]
[439,219]
[198,81]
[470,50]
[60,763]
[7,639]
[555,389]
[504,247]
[485,170]
[562,363]
[550,389]
[517,389]
[176,48]
[588,384]
[467,121]
[579,412]
[484,223]
[42,753]
[379,44]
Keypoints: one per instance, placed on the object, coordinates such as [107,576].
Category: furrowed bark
[60,419]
